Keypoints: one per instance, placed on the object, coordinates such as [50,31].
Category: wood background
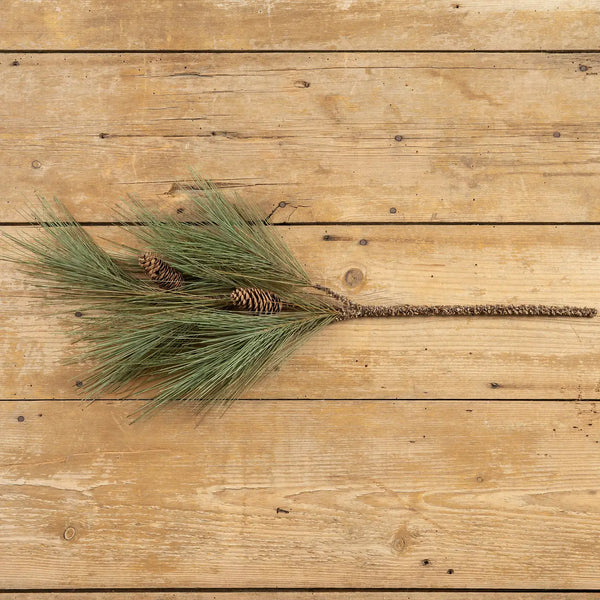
[396,460]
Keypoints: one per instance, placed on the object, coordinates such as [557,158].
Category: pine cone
[158,270]
[256,300]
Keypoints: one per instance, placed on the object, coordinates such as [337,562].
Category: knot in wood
[166,276]
[256,300]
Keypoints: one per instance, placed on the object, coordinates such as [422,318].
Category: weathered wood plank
[382,358]
[370,493]
[305,595]
[289,25]
[492,137]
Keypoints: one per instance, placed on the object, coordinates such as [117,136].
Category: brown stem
[352,310]
[340,297]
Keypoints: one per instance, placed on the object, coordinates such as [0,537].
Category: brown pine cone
[256,300]
[158,270]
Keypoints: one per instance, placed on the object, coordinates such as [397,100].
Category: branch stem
[351,310]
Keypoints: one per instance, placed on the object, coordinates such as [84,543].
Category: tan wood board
[432,357]
[370,494]
[374,137]
[308,25]
[303,595]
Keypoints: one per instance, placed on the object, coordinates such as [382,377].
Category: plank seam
[253,400]
[302,51]
[342,223]
[300,589]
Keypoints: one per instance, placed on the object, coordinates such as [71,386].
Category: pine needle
[185,345]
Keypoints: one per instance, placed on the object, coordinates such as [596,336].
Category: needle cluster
[176,343]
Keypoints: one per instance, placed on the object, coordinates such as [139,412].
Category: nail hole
[494,385]
[425,562]
[20,418]
[583,68]
[36,164]
[556,134]
[282,204]
[79,384]
[69,533]
[363,242]
[398,138]
[392,211]
[15,63]
[78,313]
[450,571]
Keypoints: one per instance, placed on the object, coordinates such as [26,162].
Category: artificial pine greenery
[203,308]
[184,343]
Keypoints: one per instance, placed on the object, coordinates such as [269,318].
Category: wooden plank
[382,358]
[309,25]
[370,494]
[305,595]
[336,137]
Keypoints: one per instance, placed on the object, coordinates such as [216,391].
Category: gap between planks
[59,51]
[297,594]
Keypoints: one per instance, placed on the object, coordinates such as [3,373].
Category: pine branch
[205,308]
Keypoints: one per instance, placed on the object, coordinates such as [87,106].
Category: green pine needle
[236,248]
[184,345]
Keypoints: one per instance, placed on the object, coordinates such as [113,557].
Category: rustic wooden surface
[417,459]
[484,137]
[418,494]
[312,24]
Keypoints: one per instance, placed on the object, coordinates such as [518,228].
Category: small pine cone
[256,300]
[158,270]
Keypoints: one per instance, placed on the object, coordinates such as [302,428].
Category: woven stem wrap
[352,310]
[357,311]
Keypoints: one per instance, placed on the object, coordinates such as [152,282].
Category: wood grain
[282,594]
[308,25]
[383,358]
[368,474]
[335,137]
[370,494]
